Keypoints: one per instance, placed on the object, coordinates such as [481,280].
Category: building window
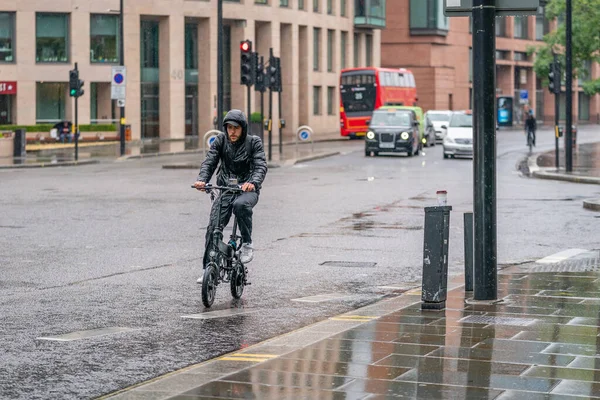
[191,46]
[150,88]
[260,1]
[316,47]
[300,4]
[501,27]
[356,52]
[369,50]
[343,44]
[52,38]
[501,55]
[521,27]
[330,7]
[284,3]
[7,37]
[470,64]
[50,102]
[330,49]
[584,107]
[427,18]
[343,8]
[316,100]
[315,5]
[330,100]
[520,56]
[104,38]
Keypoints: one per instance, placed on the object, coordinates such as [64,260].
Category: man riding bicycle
[243,158]
[530,126]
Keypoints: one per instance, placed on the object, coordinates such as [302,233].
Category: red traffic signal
[246,46]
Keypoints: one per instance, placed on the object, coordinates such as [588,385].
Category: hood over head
[236,118]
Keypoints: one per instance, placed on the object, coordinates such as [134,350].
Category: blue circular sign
[211,140]
[119,78]
[304,135]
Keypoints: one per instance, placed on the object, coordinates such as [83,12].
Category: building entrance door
[5,109]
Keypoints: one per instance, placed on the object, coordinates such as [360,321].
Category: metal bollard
[468,218]
[435,258]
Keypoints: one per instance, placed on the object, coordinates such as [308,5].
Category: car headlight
[448,139]
[404,135]
[371,135]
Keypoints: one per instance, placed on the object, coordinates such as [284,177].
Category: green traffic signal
[73,92]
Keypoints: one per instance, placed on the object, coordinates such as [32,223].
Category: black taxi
[392,130]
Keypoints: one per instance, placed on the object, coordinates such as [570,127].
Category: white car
[459,136]
[439,118]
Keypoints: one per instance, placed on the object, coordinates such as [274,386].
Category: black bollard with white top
[435,254]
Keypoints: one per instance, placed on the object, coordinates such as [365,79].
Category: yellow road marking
[353,318]
[247,357]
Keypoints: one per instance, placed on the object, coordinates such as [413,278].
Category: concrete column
[26,86]
[172,77]
[131,43]
[289,78]
[238,92]
[304,87]
[207,73]
[80,54]
[377,47]
[276,44]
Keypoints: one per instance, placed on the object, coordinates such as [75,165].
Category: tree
[585,41]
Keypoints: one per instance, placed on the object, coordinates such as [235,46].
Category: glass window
[427,17]
[316,47]
[284,3]
[460,120]
[52,38]
[330,49]
[7,37]
[520,56]
[470,64]
[330,7]
[260,1]
[369,50]
[316,100]
[191,46]
[501,27]
[330,100]
[343,8]
[50,102]
[150,88]
[584,107]
[521,27]
[356,47]
[343,43]
[300,4]
[315,5]
[104,38]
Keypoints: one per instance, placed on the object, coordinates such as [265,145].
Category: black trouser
[241,205]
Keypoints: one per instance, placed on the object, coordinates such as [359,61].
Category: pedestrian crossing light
[247,63]
[75,84]
[274,74]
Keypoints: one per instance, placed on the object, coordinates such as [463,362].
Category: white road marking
[561,256]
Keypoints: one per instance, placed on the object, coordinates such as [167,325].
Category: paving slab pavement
[540,341]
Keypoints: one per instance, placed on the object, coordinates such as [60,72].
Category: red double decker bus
[363,90]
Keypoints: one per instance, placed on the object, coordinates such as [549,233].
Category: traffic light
[259,84]
[274,74]
[554,78]
[247,63]
[75,84]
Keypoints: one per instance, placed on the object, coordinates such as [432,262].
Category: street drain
[481,319]
[349,264]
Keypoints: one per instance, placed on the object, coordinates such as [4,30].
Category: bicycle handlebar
[208,188]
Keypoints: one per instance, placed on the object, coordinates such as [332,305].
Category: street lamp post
[219,64]
[122,63]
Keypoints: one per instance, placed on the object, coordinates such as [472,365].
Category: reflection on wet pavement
[434,355]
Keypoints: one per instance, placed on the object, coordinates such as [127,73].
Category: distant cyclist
[242,157]
[530,126]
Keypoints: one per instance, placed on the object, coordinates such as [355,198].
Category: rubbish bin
[20,143]
[127,133]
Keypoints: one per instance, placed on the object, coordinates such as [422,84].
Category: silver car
[440,120]
[459,137]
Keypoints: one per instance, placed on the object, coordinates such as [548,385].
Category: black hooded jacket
[245,159]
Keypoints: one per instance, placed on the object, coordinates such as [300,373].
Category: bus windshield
[358,93]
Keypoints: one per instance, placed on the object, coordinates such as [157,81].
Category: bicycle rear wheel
[238,280]
[209,285]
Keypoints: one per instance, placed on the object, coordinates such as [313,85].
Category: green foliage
[256,117]
[585,44]
[48,127]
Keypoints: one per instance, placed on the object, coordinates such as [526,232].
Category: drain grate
[348,264]
[482,319]
[588,264]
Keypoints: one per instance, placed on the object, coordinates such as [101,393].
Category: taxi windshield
[390,118]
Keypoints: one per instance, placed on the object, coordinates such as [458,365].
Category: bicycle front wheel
[209,285]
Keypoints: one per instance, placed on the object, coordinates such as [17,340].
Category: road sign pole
[220,64]
[76,123]
[122,63]
[484,160]
[556,116]
[270,113]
